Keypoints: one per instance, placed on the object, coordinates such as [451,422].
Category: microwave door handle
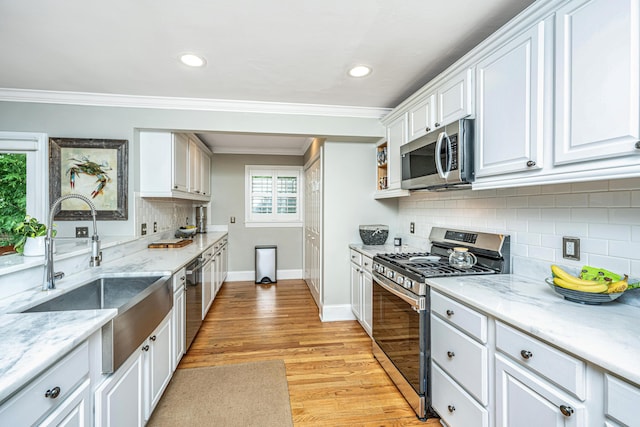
[439,167]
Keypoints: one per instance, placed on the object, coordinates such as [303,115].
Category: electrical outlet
[155,227]
[571,248]
[143,229]
[412,227]
[82,232]
[232,220]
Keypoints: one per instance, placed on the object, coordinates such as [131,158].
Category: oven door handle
[416,303]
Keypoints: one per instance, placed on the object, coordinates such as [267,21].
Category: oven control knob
[400,280]
[408,283]
[390,274]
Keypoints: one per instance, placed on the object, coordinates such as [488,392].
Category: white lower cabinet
[362,289]
[622,402]
[128,396]
[525,400]
[178,319]
[454,405]
[55,397]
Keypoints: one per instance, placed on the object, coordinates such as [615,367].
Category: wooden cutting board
[170,243]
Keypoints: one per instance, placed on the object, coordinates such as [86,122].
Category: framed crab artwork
[95,168]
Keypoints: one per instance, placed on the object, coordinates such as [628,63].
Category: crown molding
[260,151]
[198,104]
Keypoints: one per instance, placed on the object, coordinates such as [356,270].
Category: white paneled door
[313,228]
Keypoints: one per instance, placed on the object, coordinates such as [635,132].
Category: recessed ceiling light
[192,60]
[360,71]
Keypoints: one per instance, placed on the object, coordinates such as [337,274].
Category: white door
[454,99]
[158,360]
[510,104]
[119,400]
[312,228]
[180,162]
[597,88]
[422,117]
[195,186]
[367,302]
[356,304]
[396,136]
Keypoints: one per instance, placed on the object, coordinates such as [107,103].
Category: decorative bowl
[581,297]
[185,232]
[375,234]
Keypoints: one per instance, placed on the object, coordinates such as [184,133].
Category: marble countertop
[606,335]
[372,250]
[31,342]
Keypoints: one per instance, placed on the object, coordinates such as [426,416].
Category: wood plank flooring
[333,377]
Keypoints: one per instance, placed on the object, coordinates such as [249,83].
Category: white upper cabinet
[510,104]
[422,117]
[597,86]
[396,136]
[454,98]
[172,165]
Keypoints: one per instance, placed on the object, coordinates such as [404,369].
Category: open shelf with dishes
[383,173]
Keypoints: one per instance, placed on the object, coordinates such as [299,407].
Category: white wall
[605,215]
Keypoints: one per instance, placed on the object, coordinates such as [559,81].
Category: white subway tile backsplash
[610,231]
[607,222]
[610,199]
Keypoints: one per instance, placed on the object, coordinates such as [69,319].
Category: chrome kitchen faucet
[96,255]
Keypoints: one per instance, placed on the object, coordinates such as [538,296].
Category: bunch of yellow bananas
[565,280]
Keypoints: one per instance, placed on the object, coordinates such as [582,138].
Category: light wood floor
[333,377]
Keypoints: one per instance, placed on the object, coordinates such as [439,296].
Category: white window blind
[273,197]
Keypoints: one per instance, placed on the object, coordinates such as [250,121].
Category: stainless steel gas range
[401,329]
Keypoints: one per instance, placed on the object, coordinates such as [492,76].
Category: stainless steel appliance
[440,160]
[201,219]
[401,327]
[193,299]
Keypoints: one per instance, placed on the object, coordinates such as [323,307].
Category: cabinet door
[205,174]
[510,105]
[195,185]
[597,90]
[119,400]
[355,291]
[422,117]
[454,99]
[178,326]
[367,302]
[158,363]
[525,400]
[207,296]
[180,162]
[75,411]
[396,136]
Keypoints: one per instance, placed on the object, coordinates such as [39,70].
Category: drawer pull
[450,313]
[567,411]
[153,338]
[451,408]
[53,393]
[526,354]
[531,163]
[145,348]
[450,354]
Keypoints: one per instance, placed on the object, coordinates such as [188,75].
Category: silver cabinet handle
[428,129]
[567,411]
[450,313]
[526,354]
[152,338]
[638,145]
[450,354]
[52,393]
[451,408]
[531,163]
[145,348]
[437,125]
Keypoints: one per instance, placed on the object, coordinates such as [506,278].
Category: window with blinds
[273,196]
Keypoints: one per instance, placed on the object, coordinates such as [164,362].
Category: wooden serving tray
[171,243]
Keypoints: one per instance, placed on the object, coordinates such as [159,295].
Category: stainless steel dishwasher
[193,298]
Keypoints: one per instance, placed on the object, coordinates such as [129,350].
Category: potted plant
[30,235]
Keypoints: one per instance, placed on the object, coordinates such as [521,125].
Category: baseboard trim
[336,313]
[245,276]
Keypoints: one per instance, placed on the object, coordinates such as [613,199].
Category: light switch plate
[571,248]
[143,229]
[412,227]
[82,232]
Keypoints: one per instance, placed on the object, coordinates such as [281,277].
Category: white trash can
[266,263]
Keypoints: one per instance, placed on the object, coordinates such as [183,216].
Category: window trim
[275,219]
[35,146]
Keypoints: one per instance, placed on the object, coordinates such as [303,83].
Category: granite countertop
[605,335]
[31,342]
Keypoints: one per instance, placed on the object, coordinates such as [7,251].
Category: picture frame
[95,168]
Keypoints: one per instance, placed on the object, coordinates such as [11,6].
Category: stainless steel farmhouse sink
[142,302]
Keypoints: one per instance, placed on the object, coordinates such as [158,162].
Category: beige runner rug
[243,395]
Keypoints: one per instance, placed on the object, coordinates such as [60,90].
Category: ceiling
[284,51]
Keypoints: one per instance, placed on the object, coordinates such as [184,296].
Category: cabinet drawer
[558,367]
[465,318]
[30,404]
[454,406]
[356,257]
[179,279]
[463,358]
[367,263]
[621,401]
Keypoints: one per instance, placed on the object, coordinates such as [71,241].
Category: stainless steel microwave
[440,160]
